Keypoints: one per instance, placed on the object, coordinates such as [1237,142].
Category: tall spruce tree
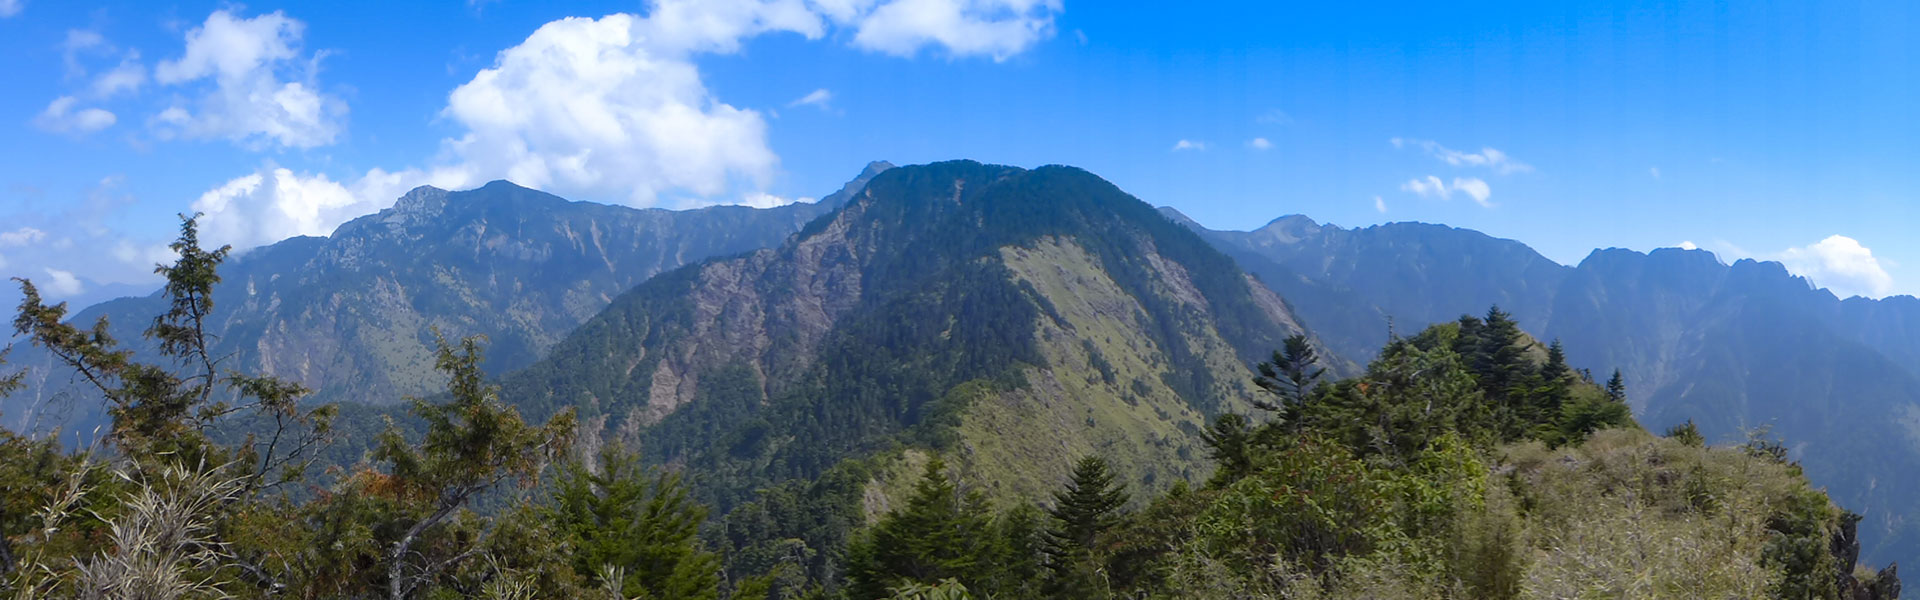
[1617,388]
[645,528]
[1227,441]
[942,533]
[1289,376]
[1081,513]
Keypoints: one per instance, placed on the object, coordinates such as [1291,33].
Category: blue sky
[1781,131]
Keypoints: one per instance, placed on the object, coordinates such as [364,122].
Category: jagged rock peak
[423,199]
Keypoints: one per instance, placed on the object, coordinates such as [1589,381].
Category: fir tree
[941,533]
[1081,513]
[1227,440]
[1290,375]
[1617,388]
[645,527]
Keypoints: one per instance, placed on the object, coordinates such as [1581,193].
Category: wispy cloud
[1380,204]
[1488,158]
[818,98]
[1274,117]
[62,117]
[1260,143]
[1185,145]
[1433,187]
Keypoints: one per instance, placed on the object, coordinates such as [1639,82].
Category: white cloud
[610,109]
[1475,188]
[1274,117]
[1184,145]
[996,28]
[1489,158]
[21,237]
[614,108]
[1427,187]
[10,8]
[262,89]
[1654,171]
[60,284]
[818,98]
[1688,245]
[81,41]
[1432,187]
[1841,264]
[145,255]
[1260,143]
[60,117]
[274,203]
[765,200]
[128,77]
[1380,204]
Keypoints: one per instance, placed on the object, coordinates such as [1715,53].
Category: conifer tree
[644,527]
[1556,367]
[1081,513]
[1227,440]
[1617,388]
[1290,375]
[941,533]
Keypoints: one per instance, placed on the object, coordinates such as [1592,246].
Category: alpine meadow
[614,301]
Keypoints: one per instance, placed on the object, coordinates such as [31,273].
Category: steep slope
[1015,319]
[350,315]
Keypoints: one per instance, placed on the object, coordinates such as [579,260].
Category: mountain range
[1738,349]
[352,315]
[1016,318]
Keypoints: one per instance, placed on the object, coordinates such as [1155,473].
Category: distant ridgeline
[963,380]
[351,315]
[1733,348]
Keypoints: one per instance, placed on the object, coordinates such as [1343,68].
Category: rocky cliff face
[351,315]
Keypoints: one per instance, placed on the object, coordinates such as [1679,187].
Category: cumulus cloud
[1184,145]
[608,109]
[1841,264]
[995,28]
[61,284]
[614,108]
[276,203]
[1432,187]
[1380,204]
[817,98]
[1260,143]
[256,86]
[21,237]
[60,117]
[1488,158]
[1688,245]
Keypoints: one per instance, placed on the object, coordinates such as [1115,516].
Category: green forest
[1465,461]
